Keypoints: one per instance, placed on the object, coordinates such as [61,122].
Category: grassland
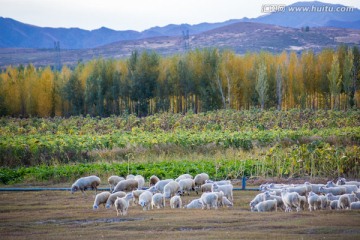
[60,215]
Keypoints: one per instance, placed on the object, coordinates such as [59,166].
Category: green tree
[348,76]
[335,81]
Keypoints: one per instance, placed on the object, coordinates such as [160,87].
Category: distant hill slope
[15,34]
[240,37]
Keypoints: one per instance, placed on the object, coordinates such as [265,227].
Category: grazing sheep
[301,190]
[113,197]
[220,198]
[355,205]
[153,180]
[136,194]
[332,197]
[159,186]
[265,206]
[333,190]
[84,183]
[122,204]
[222,182]
[345,200]
[101,198]
[357,193]
[183,176]
[194,204]
[290,199]
[130,176]
[113,180]
[158,201]
[171,189]
[227,189]
[145,200]
[126,185]
[349,188]
[276,191]
[200,179]
[141,181]
[209,200]
[316,188]
[206,187]
[268,196]
[258,198]
[324,202]
[186,185]
[342,181]
[333,204]
[226,202]
[314,201]
[176,202]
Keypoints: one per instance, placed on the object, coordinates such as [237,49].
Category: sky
[135,14]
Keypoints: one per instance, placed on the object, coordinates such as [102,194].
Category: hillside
[239,37]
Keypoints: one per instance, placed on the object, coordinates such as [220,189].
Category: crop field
[61,215]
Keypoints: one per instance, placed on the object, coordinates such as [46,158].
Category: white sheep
[101,198]
[357,193]
[206,187]
[113,181]
[112,198]
[145,200]
[222,182]
[332,197]
[333,204]
[302,202]
[314,201]
[194,204]
[227,189]
[159,186]
[258,198]
[301,190]
[355,205]
[220,198]
[183,176]
[342,181]
[333,190]
[345,200]
[349,188]
[122,204]
[200,179]
[316,188]
[265,206]
[130,176]
[268,196]
[226,202]
[136,194]
[209,200]
[186,185]
[86,182]
[126,185]
[324,202]
[153,180]
[141,181]
[171,189]
[274,191]
[157,200]
[175,202]
[290,199]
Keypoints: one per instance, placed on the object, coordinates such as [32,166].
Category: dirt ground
[61,215]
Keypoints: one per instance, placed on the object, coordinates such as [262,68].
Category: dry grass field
[61,215]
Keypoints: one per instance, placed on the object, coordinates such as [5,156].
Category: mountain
[240,37]
[312,14]
[15,34]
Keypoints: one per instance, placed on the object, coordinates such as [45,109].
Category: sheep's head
[74,189]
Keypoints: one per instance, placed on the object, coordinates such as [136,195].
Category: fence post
[243,183]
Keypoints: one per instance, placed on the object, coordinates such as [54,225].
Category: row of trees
[199,80]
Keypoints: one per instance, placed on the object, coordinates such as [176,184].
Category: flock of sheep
[122,190]
[340,195]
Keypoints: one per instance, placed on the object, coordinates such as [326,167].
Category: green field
[226,144]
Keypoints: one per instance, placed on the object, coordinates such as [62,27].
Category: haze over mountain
[15,34]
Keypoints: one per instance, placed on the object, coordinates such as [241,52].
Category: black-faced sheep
[101,198]
[122,204]
[84,183]
[112,198]
[126,185]
[113,181]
